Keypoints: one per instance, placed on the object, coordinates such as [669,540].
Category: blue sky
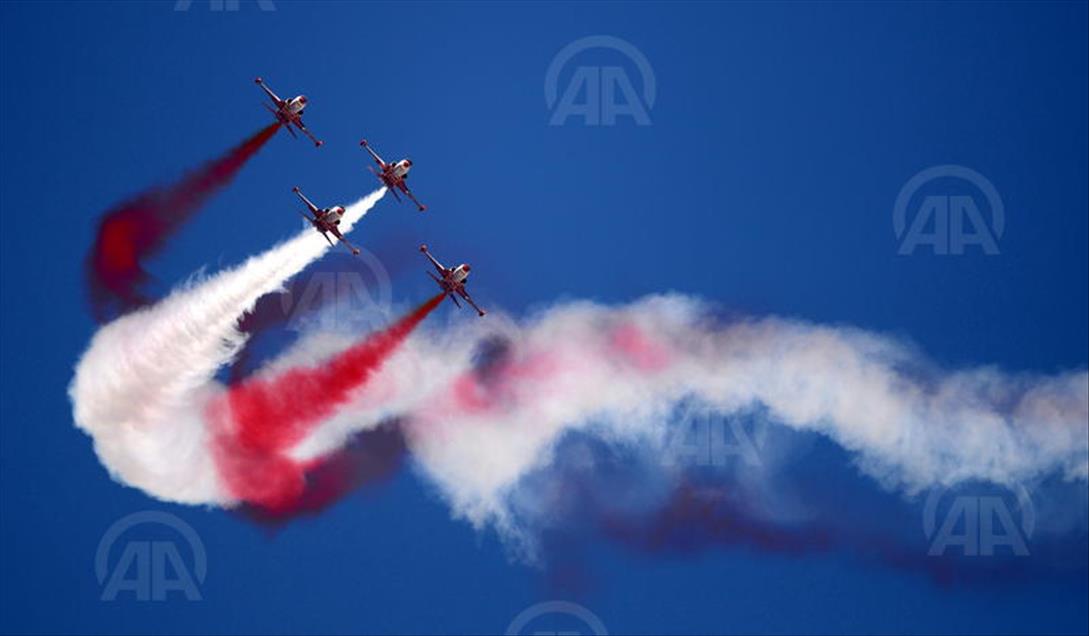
[779,139]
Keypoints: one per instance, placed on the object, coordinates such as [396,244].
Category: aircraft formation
[393,176]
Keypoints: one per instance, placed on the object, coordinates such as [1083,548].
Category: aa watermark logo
[973,524]
[600,95]
[950,210]
[705,437]
[139,557]
[357,298]
[557,617]
[225,5]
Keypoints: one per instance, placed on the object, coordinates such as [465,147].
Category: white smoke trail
[621,372]
[139,388]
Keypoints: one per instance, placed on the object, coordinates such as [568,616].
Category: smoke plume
[139,227]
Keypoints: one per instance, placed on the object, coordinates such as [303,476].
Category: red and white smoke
[479,424]
[255,424]
[142,387]
[483,403]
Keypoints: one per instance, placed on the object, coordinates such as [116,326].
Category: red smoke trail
[309,291]
[370,458]
[260,420]
[137,228]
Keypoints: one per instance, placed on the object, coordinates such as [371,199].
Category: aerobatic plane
[393,175]
[288,112]
[326,220]
[452,280]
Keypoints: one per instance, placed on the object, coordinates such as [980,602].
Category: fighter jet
[288,112]
[452,280]
[393,175]
[326,220]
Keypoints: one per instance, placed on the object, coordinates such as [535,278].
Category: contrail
[138,227]
[140,387]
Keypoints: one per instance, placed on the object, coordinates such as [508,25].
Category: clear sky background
[780,138]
